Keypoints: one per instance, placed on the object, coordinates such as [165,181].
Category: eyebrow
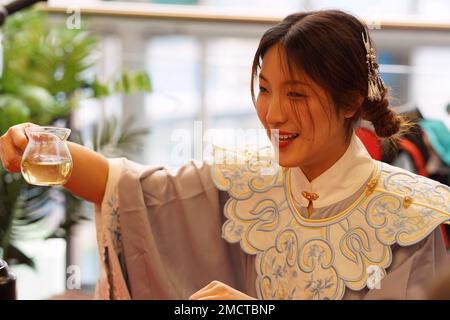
[261,76]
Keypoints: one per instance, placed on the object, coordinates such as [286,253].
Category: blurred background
[126,75]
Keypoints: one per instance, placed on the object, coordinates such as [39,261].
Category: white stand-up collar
[337,183]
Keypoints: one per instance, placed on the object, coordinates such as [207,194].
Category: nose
[275,114]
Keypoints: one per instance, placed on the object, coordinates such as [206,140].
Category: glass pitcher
[46,160]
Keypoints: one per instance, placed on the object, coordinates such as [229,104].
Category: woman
[327,222]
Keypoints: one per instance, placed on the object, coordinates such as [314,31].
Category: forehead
[275,66]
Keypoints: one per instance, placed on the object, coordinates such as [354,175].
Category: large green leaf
[41,55]
[10,188]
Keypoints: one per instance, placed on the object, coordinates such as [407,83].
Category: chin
[288,160]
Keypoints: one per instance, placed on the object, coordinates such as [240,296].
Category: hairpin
[375,83]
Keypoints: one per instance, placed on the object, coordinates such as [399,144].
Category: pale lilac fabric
[159,236]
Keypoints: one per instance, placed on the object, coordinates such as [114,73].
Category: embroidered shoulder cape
[300,258]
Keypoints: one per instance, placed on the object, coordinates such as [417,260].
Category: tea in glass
[47,160]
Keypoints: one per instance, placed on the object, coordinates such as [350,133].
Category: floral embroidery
[113,227]
[318,287]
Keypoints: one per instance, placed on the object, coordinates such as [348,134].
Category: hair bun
[385,121]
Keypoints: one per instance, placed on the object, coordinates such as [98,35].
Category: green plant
[46,71]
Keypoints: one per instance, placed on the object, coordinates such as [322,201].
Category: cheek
[298,114]
[261,110]
[326,123]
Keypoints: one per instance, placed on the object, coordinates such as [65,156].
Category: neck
[328,159]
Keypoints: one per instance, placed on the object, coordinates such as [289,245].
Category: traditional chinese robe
[372,233]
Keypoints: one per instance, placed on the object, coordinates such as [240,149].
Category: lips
[284,138]
[284,135]
[285,132]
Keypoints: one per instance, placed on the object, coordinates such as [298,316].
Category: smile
[285,137]
[282,139]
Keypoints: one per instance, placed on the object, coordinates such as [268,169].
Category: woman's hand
[217,290]
[89,172]
[12,146]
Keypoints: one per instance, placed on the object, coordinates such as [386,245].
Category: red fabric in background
[371,142]
[416,155]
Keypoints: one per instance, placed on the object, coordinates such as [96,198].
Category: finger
[19,138]
[208,286]
[10,159]
[205,292]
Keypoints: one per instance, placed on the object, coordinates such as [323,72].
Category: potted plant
[44,77]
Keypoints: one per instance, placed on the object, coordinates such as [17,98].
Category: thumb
[19,137]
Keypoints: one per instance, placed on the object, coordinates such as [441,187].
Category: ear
[351,110]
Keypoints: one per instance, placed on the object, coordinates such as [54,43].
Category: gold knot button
[407,202]
[310,196]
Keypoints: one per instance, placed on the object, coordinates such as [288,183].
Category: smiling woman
[315,72]
[319,219]
[304,116]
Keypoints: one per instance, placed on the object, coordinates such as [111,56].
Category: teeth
[288,136]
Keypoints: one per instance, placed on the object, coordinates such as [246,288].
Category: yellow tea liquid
[48,172]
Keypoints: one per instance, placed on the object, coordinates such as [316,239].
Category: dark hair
[328,46]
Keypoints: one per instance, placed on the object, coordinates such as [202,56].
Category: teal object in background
[439,137]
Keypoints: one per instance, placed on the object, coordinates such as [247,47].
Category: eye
[262,89]
[293,94]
